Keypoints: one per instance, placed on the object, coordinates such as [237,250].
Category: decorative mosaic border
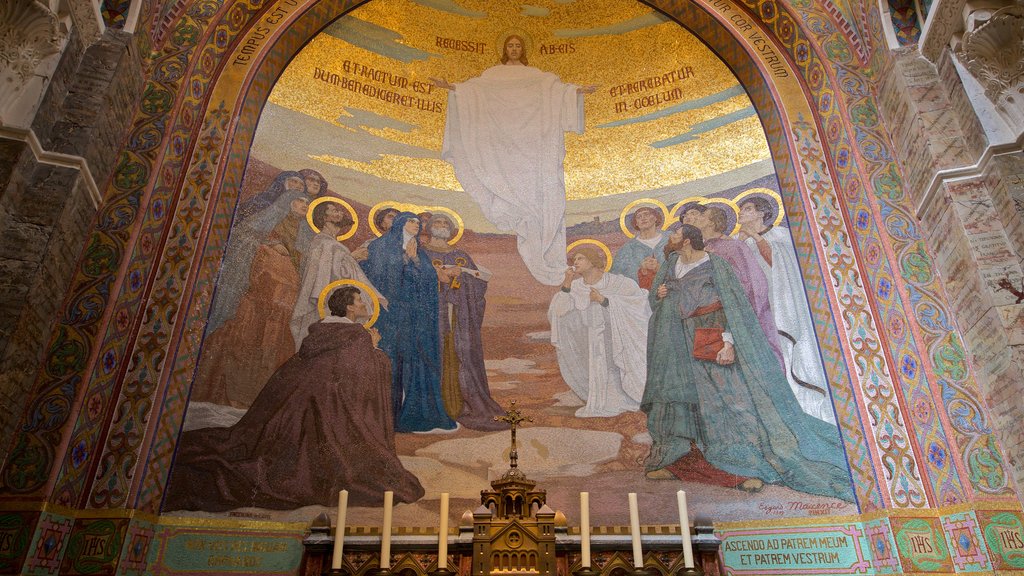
[961,458]
[122,428]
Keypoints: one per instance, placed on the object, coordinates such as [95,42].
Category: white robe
[602,351]
[504,135]
[796,329]
[326,260]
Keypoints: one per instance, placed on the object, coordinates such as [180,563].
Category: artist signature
[794,506]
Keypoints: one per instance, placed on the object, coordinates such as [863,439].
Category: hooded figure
[322,423]
[403,273]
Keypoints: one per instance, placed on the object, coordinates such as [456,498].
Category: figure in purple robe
[713,225]
[462,286]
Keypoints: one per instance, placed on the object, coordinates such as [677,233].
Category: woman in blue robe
[404,274]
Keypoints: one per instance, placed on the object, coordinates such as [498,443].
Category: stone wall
[970,198]
[48,200]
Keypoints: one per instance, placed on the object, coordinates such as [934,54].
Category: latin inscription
[259,34]
[460,45]
[650,91]
[197,552]
[744,25]
[381,85]
[754,554]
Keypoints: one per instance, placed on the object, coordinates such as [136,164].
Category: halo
[599,244]
[779,213]
[373,212]
[674,214]
[321,301]
[499,42]
[417,209]
[732,209]
[625,212]
[451,214]
[355,219]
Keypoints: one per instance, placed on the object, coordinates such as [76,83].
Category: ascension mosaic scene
[450,204]
[257,252]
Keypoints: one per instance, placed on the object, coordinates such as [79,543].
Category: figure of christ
[505,137]
[713,225]
[777,257]
[403,273]
[322,423]
[327,260]
[599,331]
[639,258]
[732,411]
[242,353]
[462,286]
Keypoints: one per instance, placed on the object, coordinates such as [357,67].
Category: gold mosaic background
[619,42]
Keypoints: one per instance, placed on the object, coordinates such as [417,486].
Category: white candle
[585,528]
[339,532]
[684,527]
[442,534]
[385,531]
[634,529]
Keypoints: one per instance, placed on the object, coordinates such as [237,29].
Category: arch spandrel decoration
[792,201]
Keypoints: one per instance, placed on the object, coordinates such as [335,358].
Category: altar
[513,532]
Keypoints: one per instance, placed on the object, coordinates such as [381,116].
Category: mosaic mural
[917,437]
[501,231]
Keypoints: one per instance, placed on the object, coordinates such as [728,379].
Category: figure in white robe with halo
[505,137]
[599,331]
[777,257]
[326,260]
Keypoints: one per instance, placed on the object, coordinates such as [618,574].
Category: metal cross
[513,417]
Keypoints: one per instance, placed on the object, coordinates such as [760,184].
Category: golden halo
[373,212]
[355,219]
[732,208]
[417,209]
[451,214]
[499,42]
[674,214]
[321,301]
[599,244]
[625,212]
[779,214]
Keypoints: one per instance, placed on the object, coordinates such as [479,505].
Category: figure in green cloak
[738,409]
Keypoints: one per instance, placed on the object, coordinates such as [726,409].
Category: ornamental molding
[992,50]
[29,35]
[87,18]
[945,19]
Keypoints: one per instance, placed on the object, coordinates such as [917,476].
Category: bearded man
[715,399]
[462,287]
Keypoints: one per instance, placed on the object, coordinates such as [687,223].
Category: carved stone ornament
[29,33]
[993,51]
